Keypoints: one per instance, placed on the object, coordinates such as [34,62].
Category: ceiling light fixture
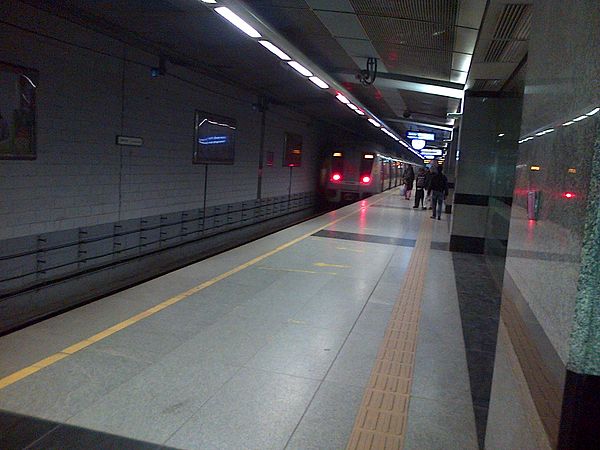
[320,83]
[359,112]
[300,69]
[236,20]
[351,106]
[566,124]
[275,50]
[209,1]
[374,123]
[577,119]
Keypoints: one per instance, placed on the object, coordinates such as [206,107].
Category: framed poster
[214,139]
[292,156]
[17,111]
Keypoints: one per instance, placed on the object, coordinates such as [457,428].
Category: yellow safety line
[29,370]
[381,420]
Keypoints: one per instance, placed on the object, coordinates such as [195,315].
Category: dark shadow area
[479,299]
[24,432]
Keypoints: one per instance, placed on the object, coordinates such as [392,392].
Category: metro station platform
[343,331]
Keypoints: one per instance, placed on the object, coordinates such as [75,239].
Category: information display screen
[214,139]
[293,150]
[420,135]
[17,112]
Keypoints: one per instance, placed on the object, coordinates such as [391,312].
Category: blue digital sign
[215,139]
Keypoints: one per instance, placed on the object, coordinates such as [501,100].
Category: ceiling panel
[408,32]
[415,61]
[437,11]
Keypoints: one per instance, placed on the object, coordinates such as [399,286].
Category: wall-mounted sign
[420,135]
[293,150]
[131,141]
[214,139]
[17,111]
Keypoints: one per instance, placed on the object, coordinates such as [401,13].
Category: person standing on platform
[420,192]
[438,189]
[428,176]
[409,180]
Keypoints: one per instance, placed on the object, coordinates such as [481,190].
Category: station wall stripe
[52,359]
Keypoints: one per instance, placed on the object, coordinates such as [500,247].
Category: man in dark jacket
[438,189]
[421,185]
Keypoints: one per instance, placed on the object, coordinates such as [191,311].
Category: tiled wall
[92,88]
[542,282]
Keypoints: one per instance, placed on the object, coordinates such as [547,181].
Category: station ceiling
[420,46]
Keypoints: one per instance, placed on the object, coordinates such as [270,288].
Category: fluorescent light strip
[359,112]
[300,68]
[593,111]
[275,50]
[209,1]
[320,83]
[342,98]
[566,124]
[236,20]
[351,106]
[577,119]
[374,123]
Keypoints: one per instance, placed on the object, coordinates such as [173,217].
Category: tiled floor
[275,355]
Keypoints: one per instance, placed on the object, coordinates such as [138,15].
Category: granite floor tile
[440,425]
[158,401]
[254,410]
[300,350]
[329,419]
[69,386]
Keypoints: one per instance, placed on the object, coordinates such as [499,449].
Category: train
[352,172]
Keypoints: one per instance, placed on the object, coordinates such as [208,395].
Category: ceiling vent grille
[435,11]
[511,34]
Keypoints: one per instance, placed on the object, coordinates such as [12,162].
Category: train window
[337,163]
[366,165]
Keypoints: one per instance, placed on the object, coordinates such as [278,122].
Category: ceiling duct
[511,33]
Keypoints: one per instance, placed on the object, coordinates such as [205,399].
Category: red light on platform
[366,179]
[569,195]
[336,177]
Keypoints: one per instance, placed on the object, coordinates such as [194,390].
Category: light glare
[593,111]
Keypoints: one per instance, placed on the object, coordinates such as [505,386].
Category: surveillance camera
[406,114]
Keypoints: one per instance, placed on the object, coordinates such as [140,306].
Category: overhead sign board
[431,152]
[420,135]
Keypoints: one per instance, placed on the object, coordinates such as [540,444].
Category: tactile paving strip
[381,420]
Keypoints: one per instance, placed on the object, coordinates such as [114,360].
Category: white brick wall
[80,177]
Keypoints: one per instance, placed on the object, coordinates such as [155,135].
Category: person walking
[420,192]
[409,180]
[438,189]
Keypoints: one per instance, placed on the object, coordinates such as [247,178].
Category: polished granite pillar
[487,151]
